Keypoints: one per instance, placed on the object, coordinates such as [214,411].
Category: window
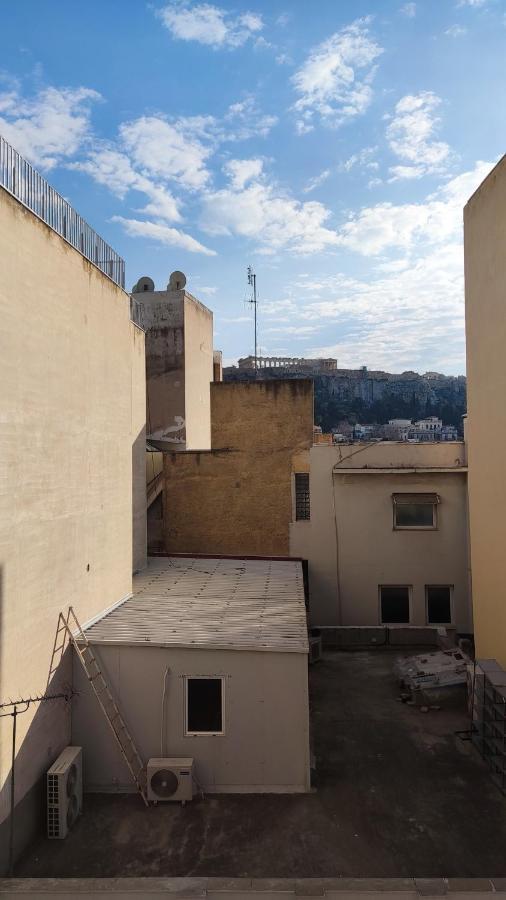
[439,604]
[204,705]
[394,604]
[302,504]
[415,510]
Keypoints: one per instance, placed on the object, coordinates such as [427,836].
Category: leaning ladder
[104,696]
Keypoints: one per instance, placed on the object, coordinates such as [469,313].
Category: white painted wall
[179,367]
[485,270]
[265,747]
[350,542]
[72,417]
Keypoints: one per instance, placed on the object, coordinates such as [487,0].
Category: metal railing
[21,180]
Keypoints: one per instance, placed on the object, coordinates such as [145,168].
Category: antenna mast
[252,280]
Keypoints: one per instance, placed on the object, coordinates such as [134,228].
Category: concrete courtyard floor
[397,794]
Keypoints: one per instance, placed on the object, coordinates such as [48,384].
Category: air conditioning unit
[170,779]
[64,792]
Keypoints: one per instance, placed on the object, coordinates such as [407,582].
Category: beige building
[384,529]
[237,498]
[72,478]
[179,363]
[209,658]
[485,273]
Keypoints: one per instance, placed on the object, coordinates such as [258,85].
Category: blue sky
[331,145]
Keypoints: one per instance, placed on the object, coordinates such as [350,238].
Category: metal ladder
[103,694]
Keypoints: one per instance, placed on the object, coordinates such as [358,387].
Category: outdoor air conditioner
[170,779]
[64,792]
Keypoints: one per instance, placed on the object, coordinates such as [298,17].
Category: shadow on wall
[139,502]
[47,735]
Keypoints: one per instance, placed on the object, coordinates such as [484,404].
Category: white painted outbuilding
[207,659]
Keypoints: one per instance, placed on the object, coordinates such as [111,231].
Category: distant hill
[360,395]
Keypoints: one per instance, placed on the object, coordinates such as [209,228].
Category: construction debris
[442,668]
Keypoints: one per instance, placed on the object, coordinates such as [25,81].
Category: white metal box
[64,781]
[170,779]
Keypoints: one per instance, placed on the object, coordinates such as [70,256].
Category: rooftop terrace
[397,793]
[21,180]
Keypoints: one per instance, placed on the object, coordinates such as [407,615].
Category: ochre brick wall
[237,498]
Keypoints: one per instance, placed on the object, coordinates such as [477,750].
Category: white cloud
[113,169]
[244,120]
[155,156]
[315,182]
[240,171]
[302,127]
[294,330]
[209,25]
[410,135]
[379,228]
[456,31]
[328,82]
[407,315]
[167,150]
[263,213]
[362,159]
[49,128]
[209,291]
[409,10]
[163,234]
[474,3]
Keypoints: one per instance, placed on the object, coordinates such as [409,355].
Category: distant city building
[364,432]
[424,430]
[432,429]
[288,363]
[397,429]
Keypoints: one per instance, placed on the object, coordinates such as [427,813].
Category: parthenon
[285,362]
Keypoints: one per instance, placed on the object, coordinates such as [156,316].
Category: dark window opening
[204,705]
[415,510]
[439,606]
[302,501]
[394,605]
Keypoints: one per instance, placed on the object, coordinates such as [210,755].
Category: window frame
[187,732]
[409,588]
[434,504]
[307,502]
[451,590]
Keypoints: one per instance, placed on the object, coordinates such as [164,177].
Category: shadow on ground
[397,794]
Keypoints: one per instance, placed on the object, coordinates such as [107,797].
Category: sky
[330,145]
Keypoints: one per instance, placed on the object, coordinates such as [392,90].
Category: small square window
[439,604]
[302,500]
[394,603]
[204,705]
[415,510]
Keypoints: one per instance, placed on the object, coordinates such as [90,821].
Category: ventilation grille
[53,810]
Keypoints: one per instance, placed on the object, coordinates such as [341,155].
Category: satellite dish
[177,281]
[145,283]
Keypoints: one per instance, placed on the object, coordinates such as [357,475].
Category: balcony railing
[21,180]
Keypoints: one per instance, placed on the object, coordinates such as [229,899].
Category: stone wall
[237,498]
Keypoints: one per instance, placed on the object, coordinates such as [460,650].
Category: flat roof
[211,603]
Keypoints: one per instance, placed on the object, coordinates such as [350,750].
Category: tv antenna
[252,280]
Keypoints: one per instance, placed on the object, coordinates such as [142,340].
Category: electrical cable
[162,723]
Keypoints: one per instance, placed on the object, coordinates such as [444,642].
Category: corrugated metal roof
[234,604]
